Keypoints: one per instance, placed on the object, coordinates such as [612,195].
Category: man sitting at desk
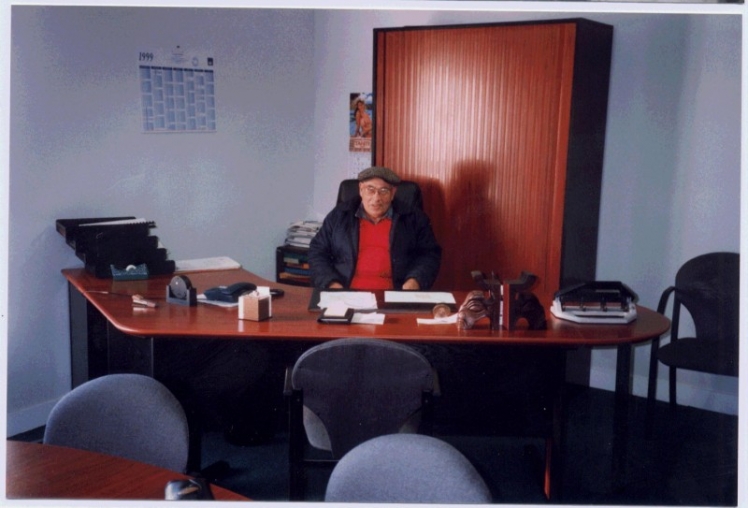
[372,242]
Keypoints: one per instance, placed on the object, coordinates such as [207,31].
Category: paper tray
[594,316]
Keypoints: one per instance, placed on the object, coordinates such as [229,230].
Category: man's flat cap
[385,174]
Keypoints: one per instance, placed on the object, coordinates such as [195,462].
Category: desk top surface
[40,471]
[292,320]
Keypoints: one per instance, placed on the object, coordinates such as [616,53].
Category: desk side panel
[88,339]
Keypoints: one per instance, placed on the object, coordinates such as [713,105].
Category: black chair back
[709,287]
[347,391]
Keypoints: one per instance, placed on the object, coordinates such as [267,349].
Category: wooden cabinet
[503,127]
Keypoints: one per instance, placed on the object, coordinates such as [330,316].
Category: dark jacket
[414,251]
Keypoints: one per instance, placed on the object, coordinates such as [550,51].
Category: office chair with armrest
[126,415]
[707,286]
[408,192]
[346,391]
[406,468]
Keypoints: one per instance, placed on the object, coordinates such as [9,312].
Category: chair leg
[553,474]
[673,398]
[651,388]
[548,489]
[653,364]
[427,414]
[296,447]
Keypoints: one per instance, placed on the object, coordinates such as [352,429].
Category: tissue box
[254,307]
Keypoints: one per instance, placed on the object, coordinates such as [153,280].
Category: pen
[139,300]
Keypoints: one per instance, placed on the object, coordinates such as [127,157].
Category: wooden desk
[109,334]
[38,471]
[292,321]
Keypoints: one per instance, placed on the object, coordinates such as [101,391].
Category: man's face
[376,196]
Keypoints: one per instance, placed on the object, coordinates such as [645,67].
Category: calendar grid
[177,99]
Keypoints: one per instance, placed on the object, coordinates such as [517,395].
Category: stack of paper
[207,264]
[300,233]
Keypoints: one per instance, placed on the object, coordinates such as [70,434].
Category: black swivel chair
[125,415]
[347,391]
[407,192]
[707,287]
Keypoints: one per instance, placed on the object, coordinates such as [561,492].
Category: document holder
[329,316]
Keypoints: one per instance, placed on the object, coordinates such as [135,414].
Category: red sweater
[373,268]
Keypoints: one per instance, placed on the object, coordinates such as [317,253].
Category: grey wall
[670,190]
[77,150]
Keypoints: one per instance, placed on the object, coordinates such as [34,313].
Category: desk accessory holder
[477,306]
[131,272]
[255,306]
[331,316]
[181,292]
[108,243]
[520,303]
[506,304]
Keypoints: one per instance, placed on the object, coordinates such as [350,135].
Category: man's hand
[411,284]
[335,285]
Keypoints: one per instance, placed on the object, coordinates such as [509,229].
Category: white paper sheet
[368,318]
[356,300]
[438,321]
[201,299]
[431,297]
[206,264]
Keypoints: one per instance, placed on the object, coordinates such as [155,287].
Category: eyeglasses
[370,190]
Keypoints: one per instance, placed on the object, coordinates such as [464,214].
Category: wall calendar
[177,91]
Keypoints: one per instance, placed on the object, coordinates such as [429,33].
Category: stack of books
[300,234]
[110,244]
[293,265]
